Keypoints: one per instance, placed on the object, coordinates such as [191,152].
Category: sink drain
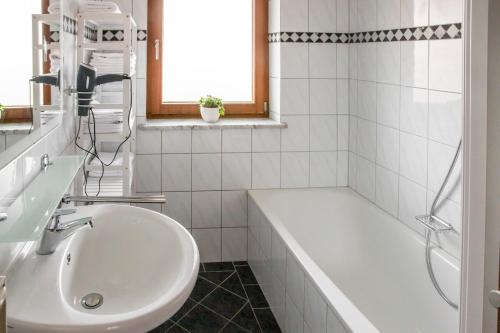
[92,301]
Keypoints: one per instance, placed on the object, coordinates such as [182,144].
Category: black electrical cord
[93,140]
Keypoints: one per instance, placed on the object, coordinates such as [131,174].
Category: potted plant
[2,108]
[211,108]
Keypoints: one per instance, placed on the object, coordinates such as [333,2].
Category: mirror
[31,85]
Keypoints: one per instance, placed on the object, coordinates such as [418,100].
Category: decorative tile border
[70,26]
[117,35]
[432,32]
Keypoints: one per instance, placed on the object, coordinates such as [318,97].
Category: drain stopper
[92,301]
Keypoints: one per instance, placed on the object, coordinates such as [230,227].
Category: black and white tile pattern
[226,298]
[432,32]
[118,35]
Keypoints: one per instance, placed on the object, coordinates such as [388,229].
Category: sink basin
[143,264]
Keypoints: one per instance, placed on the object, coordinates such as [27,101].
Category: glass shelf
[30,213]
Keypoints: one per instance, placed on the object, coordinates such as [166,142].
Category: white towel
[94,6]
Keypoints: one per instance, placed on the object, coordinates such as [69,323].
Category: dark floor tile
[246,275]
[218,266]
[215,277]
[246,319]
[176,329]
[202,269]
[224,303]
[183,310]
[256,297]
[201,289]
[267,321]
[233,328]
[202,320]
[163,327]
[233,284]
[240,263]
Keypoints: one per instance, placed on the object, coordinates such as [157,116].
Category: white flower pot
[210,115]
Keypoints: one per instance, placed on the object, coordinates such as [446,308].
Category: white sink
[144,265]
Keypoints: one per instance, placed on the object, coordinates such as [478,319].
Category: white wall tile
[353,134]
[176,172]
[412,202]
[266,170]
[389,62]
[140,11]
[415,63]
[140,96]
[323,133]
[413,158]
[367,100]
[148,173]
[141,60]
[353,61]
[367,139]
[414,110]
[343,133]
[342,168]
[353,171]
[266,140]
[207,141]
[445,65]
[178,207]
[342,96]
[294,59]
[295,282]
[367,60]
[414,13]
[294,170]
[236,140]
[353,15]
[296,136]
[275,59]
[343,15]
[440,158]
[388,147]
[176,141]
[294,317]
[342,61]
[234,208]
[209,244]
[148,142]
[234,244]
[445,11]
[323,59]
[365,179]
[388,103]
[323,94]
[206,172]
[322,15]
[323,169]
[386,193]
[388,14]
[314,308]
[367,21]
[334,325]
[293,15]
[445,117]
[353,97]
[236,171]
[294,96]
[206,209]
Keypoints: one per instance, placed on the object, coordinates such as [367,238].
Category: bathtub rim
[347,312]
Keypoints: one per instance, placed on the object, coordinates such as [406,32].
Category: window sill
[161,124]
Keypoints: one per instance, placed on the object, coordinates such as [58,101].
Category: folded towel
[93,6]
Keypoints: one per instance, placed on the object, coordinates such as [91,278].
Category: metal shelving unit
[111,185]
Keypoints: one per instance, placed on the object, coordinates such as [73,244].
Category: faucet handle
[61,212]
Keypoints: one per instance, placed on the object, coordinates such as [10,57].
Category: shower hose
[428,232]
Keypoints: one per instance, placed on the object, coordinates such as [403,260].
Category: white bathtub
[330,258]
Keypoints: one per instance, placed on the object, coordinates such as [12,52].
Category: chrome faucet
[56,231]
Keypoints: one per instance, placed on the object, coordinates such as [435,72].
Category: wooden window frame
[255,109]
[24,114]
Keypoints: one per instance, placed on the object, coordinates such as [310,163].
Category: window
[200,47]
[16,64]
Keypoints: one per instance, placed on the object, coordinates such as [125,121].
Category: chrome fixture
[45,162]
[110,199]
[92,301]
[3,217]
[56,231]
[494,298]
[3,305]
[433,223]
